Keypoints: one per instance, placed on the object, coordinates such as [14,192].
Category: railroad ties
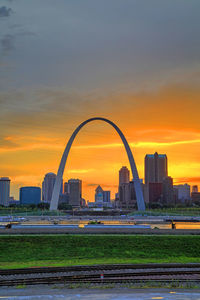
[126,273]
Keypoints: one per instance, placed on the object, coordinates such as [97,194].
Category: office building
[124,175]
[99,194]
[168,191]
[195,197]
[155,192]
[126,190]
[4,191]
[66,188]
[106,196]
[155,168]
[102,198]
[63,199]
[183,193]
[195,189]
[29,195]
[48,185]
[75,192]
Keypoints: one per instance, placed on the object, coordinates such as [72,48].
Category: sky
[135,62]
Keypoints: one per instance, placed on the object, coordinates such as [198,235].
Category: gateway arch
[137,183]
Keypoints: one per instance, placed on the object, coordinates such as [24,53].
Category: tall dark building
[126,191]
[155,168]
[75,192]
[168,191]
[124,175]
[155,192]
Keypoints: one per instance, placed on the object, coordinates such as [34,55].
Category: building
[195,189]
[155,168]
[102,198]
[75,192]
[106,196]
[124,175]
[126,191]
[66,188]
[48,185]
[30,195]
[124,188]
[4,191]
[124,195]
[168,191]
[195,198]
[99,195]
[63,199]
[155,192]
[183,193]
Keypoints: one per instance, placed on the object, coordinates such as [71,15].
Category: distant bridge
[137,183]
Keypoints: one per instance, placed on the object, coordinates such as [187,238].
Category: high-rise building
[4,191]
[124,175]
[99,194]
[66,188]
[106,196]
[75,192]
[102,198]
[29,195]
[47,186]
[155,168]
[183,192]
[155,192]
[124,195]
[168,191]
[124,188]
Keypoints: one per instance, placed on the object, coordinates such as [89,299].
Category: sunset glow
[137,65]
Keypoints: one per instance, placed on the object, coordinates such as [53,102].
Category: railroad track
[102,274]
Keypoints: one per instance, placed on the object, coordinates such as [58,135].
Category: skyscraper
[168,191]
[47,186]
[106,196]
[66,188]
[127,195]
[124,175]
[99,195]
[155,168]
[4,191]
[75,192]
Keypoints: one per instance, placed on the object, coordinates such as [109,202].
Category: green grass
[57,250]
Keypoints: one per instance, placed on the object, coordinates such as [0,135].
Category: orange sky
[166,121]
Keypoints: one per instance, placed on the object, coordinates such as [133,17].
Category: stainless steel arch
[137,184]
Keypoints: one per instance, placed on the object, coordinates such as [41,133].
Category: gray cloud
[5,12]
[7,43]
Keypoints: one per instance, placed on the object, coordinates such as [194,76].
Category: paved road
[44,292]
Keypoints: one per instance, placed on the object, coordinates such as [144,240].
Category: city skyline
[135,63]
[113,189]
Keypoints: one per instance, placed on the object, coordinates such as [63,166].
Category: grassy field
[57,250]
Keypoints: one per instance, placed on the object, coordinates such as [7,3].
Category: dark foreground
[52,292]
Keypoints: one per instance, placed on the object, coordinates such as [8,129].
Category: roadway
[56,292]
